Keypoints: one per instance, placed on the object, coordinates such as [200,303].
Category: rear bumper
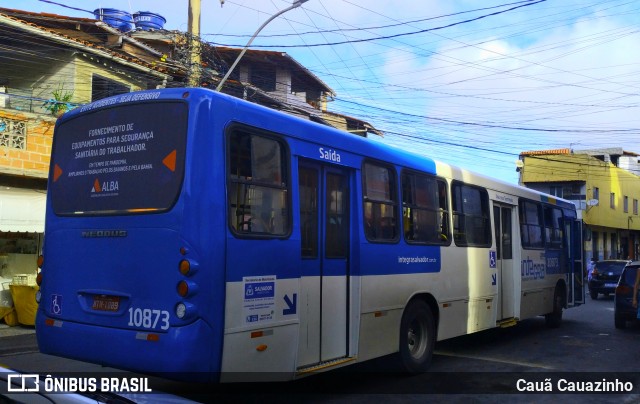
[183,353]
[603,286]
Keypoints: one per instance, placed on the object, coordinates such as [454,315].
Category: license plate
[106,303]
[610,285]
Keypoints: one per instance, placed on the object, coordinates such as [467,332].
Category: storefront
[22,214]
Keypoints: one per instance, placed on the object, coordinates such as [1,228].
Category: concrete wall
[33,161]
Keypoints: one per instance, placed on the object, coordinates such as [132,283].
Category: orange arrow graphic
[57,172]
[170,161]
[96,186]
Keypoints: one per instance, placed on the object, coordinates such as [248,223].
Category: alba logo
[96,186]
[107,186]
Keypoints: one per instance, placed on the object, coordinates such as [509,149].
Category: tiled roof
[11,11]
[27,18]
[281,58]
[543,152]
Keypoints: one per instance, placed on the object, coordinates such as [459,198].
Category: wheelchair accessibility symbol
[492,259]
[56,304]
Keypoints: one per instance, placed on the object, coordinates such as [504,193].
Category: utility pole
[194,37]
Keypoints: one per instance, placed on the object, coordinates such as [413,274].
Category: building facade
[605,186]
[49,64]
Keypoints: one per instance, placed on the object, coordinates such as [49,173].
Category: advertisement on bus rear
[124,159]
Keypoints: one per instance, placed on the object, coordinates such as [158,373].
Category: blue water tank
[147,21]
[118,19]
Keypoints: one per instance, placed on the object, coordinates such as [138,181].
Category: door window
[337,234]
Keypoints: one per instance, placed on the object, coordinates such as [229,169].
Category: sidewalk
[16,340]
[6,331]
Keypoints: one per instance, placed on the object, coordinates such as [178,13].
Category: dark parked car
[624,310]
[605,276]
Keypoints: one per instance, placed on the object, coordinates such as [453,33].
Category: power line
[342,30]
[489,125]
[351,41]
[66,6]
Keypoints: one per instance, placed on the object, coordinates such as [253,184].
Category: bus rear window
[126,159]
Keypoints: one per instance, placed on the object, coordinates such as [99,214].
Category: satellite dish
[592,202]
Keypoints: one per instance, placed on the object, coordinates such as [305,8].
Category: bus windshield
[133,164]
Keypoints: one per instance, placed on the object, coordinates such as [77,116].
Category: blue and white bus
[190,231]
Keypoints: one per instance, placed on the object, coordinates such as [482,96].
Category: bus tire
[417,337]
[620,322]
[554,318]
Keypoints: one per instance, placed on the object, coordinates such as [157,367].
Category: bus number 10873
[148,318]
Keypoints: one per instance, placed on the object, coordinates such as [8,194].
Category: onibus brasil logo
[25,383]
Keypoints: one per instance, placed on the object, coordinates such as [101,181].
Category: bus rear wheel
[554,319]
[417,337]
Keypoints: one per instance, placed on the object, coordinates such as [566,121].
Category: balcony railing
[26,103]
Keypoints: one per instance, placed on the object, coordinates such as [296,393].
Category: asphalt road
[18,344]
[482,367]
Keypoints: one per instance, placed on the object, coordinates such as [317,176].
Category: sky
[469,83]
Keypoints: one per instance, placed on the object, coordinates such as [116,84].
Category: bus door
[503,228]
[573,231]
[324,290]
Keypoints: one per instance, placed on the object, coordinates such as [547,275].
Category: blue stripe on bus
[374,259]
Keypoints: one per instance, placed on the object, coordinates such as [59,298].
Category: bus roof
[299,128]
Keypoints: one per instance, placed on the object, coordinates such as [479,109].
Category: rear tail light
[187,288]
[623,290]
[188,267]
[185,267]
[181,310]
[185,311]
[39,262]
[183,288]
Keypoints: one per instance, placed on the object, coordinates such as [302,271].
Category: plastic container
[148,21]
[24,279]
[118,19]
[24,301]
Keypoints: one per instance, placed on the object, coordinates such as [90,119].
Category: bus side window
[258,201]
[553,227]
[531,224]
[471,218]
[424,209]
[380,203]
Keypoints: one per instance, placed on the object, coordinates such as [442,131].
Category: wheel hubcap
[417,338]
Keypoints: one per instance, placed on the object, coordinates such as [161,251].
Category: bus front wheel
[417,337]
